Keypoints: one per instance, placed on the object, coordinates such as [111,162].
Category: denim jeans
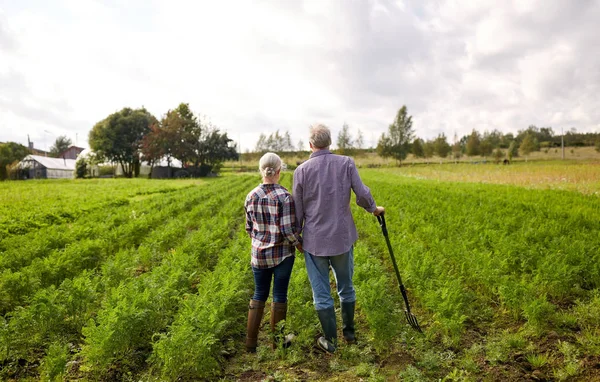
[318,274]
[281,280]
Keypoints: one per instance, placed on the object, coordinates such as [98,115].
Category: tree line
[400,140]
[131,136]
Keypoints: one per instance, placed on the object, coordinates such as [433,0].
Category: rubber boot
[255,314]
[328,341]
[278,313]
[348,321]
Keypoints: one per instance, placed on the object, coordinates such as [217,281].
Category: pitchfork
[412,320]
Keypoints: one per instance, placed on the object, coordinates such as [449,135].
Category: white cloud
[255,67]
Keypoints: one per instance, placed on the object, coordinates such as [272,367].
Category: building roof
[38,152]
[52,163]
[78,149]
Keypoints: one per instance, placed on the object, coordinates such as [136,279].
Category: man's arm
[298,200]
[362,192]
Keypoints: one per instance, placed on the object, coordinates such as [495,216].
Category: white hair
[269,164]
[320,136]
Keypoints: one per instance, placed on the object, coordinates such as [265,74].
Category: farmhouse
[39,167]
[71,153]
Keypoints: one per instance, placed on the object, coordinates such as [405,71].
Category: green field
[118,279]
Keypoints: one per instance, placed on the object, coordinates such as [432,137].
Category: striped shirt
[271,223]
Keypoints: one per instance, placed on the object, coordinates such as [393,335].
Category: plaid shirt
[271,223]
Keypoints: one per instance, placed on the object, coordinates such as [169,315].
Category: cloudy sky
[258,66]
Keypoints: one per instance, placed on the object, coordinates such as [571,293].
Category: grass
[583,177]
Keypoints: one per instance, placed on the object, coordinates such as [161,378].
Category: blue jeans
[318,274]
[281,280]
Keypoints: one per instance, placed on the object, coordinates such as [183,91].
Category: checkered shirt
[271,223]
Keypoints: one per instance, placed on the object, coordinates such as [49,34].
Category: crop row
[210,325]
[55,315]
[466,249]
[20,250]
[124,227]
[29,206]
[120,337]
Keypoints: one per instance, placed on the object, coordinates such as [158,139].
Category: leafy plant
[538,360]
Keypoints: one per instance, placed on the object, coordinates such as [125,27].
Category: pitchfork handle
[381,219]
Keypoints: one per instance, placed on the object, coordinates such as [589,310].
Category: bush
[80,168]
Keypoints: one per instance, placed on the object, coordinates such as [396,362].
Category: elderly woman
[271,223]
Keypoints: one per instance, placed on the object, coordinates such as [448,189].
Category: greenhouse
[39,167]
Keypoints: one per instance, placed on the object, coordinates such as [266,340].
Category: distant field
[581,176]
[121,279]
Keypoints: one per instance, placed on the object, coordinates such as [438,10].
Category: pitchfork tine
[412,320]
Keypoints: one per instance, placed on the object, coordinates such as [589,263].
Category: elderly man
[322,187]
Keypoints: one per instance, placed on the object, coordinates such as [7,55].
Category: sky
[253,67]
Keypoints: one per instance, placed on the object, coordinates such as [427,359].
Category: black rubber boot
[328,341]
[348,321]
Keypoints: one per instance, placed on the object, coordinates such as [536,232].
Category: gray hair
[269,164]
[320,136]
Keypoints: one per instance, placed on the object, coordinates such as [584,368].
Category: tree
[536,135]
[156,145]
[300,145]
[184,133]
[215,147]
[513,150]
[441,146]
[493,138]
[384,146]
[428,149]
[527,146]
[546,135]
[400,133]
[473,143]
[195,141]
[486,148]
[61,145]
[275,142]
[456,148]
[505,140]
[86,165]
[598,144]
[80,168]
[10,152]
[498,155]
[118,137]
[287,142]
[417,148]
[344,140]
[360,140]
[261,144]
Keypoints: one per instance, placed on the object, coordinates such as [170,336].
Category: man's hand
[378,211]
[299,248]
